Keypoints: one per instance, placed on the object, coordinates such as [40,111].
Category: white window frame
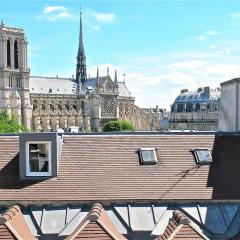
[39,174]
[147,162]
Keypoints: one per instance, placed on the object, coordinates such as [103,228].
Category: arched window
[8,54]
[15,55]
[82,105]
[18,79]
[51,107]
[197,107]
[67,107]
[189,107]
[9,81]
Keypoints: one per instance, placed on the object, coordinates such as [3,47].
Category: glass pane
[204,155]
[148,155]
[38,157]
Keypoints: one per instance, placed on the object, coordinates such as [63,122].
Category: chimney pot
[184,90]
[199,90]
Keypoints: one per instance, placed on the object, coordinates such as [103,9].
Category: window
[202,156]
[147,155]
[16,55]
[38,155]
[8,54]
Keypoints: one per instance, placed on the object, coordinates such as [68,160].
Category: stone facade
[56,104]
[14,75]
[230,105]
[196,110]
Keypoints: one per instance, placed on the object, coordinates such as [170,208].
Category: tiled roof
[180,227]
[96,225]
[13,225]
[106,168]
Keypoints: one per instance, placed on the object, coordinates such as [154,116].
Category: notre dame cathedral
[53,103]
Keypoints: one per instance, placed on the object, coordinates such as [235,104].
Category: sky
[162,46]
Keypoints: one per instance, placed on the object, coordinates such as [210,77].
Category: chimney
[199,90]
[184,90]
[206,90]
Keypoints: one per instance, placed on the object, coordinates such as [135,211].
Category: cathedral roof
[50,85]
[91,84]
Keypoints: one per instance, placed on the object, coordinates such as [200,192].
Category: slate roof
[194,96]
[50,85]
[96,225]
[106,168]
[180,227]
[57,85]
[13,225]
[122,88]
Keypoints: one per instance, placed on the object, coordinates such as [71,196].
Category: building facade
[53,103]
[230,105]
[197,110]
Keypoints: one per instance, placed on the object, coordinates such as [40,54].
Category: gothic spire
[97,73]
[81,74]
[115,76]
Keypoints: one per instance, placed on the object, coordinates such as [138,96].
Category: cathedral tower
[81,74]
[14,75]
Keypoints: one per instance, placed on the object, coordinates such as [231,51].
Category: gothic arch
[15,54]
[8,53]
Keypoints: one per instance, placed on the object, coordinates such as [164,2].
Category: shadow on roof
[10,173]
[224,173]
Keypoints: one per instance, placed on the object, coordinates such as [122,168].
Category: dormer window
[202,156]
[39,155]
[147,155]
[38,159]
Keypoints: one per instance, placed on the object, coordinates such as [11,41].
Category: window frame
[152,162]
[205,162]
[39,174]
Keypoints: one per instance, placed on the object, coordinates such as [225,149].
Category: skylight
[202,156]
[147,155]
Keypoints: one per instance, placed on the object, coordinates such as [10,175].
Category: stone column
[48,123]
[86,123]
[35,123]
[57,122]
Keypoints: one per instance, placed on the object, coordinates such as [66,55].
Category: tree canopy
[119,125]
[9,125]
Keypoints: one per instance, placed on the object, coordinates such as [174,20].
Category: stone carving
[108,106]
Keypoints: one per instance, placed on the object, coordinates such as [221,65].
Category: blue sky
[162,46]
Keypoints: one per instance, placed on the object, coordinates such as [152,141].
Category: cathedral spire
[81,74]
[115,76]
[97,73]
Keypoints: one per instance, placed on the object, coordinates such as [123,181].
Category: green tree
[9,125]
[126,125]
[112,126]
[117,126]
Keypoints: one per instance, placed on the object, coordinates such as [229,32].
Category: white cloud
[102,17]
[213,46]
[191,64]
[53,13]
[226,71]
[205,36]
[201,37]
[50,9]
[235,15]
[211,32]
